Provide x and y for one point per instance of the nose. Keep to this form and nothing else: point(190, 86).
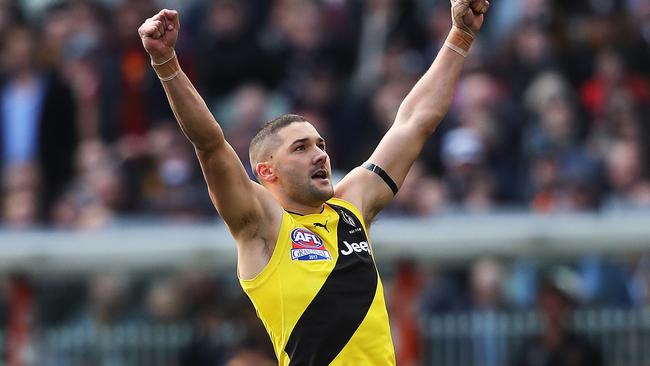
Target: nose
point(320, 157)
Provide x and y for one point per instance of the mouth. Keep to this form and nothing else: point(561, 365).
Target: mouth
point(320, 174)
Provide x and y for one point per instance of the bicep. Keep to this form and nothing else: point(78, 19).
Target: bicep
point(244, 205)
point(398, 150)
point(395, 154)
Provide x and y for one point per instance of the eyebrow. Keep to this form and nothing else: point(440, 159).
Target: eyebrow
point(306, 139)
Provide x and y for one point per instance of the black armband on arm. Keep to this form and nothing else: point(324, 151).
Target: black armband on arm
point(381, 173)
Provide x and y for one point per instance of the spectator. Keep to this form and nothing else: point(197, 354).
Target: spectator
point(131, 98)
point(171, 183)
point(541, 147)
point(37, 119)
point(402, 300)
point(469, 183)
point(564, 176)
point(557, 345)
point(228, 52)
point(106, 309)
point(487, 298)
point(165, 303)
point(90, 201)
point(21, 191)
point(625, 170)
point(611, 76)
point(421, 195)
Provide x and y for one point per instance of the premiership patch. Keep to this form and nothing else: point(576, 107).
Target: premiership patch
point(307, 246)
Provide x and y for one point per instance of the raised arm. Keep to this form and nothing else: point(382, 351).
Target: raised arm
point(417, 118)
point(247, 208)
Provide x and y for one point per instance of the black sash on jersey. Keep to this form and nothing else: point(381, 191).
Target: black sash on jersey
point(339, 307)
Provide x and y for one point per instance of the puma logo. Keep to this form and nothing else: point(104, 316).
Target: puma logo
point(324, 226)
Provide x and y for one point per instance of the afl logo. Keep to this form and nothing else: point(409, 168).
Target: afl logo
point(306, 238)
point(307, 246)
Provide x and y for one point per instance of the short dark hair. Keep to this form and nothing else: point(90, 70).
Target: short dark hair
point(548, 285)
point(260, 144)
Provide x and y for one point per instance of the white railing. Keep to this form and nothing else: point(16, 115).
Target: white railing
point(140, 246)
point(459, 339)
point(121, 345)
point(494, 338)
point(127, 345)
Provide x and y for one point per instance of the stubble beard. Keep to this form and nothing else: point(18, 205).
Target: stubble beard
point(308, 193)
point(321, 194)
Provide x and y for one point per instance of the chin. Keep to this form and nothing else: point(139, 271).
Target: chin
point(323, 194)
point(330, 194)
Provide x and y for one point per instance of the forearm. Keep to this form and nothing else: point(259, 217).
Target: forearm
point(190, 110)
point(429, 100)
point(431, 97)
point(417, 118)
point(192, 114)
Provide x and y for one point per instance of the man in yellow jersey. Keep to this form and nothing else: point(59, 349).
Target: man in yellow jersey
point(304, 256)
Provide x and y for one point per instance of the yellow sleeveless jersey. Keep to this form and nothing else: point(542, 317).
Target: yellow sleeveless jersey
point(320, 297)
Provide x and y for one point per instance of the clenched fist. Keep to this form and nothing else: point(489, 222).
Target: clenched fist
point(159, 34)
point(468, 14)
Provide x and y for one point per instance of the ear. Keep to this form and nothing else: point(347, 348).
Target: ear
point(265, 172)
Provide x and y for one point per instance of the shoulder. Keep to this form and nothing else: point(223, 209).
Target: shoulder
point(579, 341)
point(366, 189)
point(345, 204)
point(349, 206)
point(531, 349)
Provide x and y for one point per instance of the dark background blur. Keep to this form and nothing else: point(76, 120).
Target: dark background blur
point(551, 118)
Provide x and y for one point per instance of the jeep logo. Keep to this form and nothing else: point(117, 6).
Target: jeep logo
point(355, 247)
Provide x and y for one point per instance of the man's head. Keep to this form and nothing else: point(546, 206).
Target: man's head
point(288, 157)
point(19, 50)
point(554, 303)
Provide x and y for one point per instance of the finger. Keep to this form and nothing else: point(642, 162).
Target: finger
point(463, 3)
point(149, 31)
point(480, 6)
point(144, 31)
point(173, 20)
point(159, 25)
point(154, 29)
point(161, 16)
point(461, 7)
point(485, 7)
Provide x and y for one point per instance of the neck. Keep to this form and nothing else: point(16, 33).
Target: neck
point(24, 76)
point(296, 206)
point(553, 336)
point(303, 209)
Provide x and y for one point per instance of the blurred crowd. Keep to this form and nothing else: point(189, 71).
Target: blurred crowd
point(225, 329)
point(490, 287)
point(552, 113)
point(85, 321)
